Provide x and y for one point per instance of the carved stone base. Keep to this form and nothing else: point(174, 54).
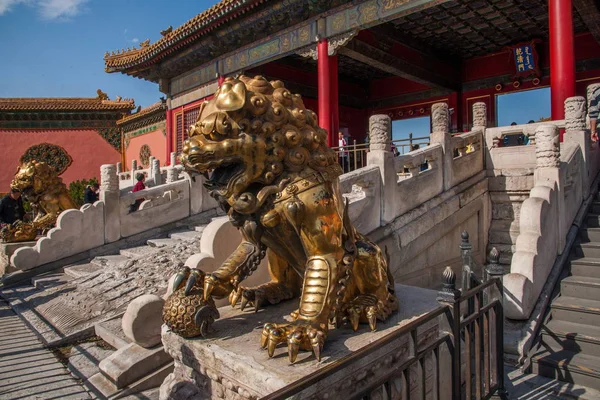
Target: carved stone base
point(232, 365)
point(7, 250)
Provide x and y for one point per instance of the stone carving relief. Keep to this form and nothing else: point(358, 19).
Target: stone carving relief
point(380, 132)
point(145, 154)
point(479, 114)
point(547, 147)
point(334, 44)
point(51, 154)
point(440, 117)
point(575, 112)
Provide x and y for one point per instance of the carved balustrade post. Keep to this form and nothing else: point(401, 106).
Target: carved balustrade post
point(479, 115)
point(173, 159)
point(109, 194)
point(380, 154)
point(450, 296)
point(172, 175)
point(590, 89)
point(548, 173)
point(440, 123)
point(133, 171)
point(156, 174)
point(119, 168)
point(576, 132)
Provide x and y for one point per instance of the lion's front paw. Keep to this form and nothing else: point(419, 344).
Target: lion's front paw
point(268, 293)
point(297, 335)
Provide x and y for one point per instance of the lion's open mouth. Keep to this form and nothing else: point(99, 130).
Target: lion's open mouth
point(220, 177)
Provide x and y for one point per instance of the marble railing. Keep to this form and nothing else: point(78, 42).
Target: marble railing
point(562, 182)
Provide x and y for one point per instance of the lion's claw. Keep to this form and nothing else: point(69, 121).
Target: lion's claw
point(297, 336)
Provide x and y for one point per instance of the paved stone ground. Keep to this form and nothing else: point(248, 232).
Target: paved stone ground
point(27, 369)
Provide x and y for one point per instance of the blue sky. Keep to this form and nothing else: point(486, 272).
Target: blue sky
point(55, 48)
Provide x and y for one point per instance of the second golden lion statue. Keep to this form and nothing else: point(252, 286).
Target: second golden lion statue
point(278, 181)
point(40, 184)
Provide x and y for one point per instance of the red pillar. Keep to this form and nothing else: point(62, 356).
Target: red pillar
point(562, 55)
point(323, 67)
point(335, 111)
point(169, 136)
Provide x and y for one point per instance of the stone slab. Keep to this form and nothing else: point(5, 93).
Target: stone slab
point(138, 252)
point(50, 280)
point(69, 312)
point(111, 332)
point(84, 359)
point(234, 359)
point(162, 242)
point(144, 389)
point(186, 236)
point(131, 363)
point(27, 369)
point(81, 270)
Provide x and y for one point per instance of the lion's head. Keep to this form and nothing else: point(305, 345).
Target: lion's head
point(253, 134)
point(34, 177)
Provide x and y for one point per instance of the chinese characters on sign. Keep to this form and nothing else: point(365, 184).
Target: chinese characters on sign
point(524, 60)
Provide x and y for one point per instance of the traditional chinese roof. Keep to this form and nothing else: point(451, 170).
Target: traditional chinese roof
point(65, 104)
point(172, 40)
point(153, 113)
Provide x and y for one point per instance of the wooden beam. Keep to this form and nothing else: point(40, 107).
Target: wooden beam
point(588, 10)
point(383, 61)
point(386, 33)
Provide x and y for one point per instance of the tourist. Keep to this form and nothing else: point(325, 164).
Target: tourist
point(138, 186)
point(11, 207)
point(91, 194)
point(342, 153)
point(593, 112)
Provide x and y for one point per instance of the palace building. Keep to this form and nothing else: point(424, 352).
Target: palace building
point(144, 135)
point(350, 60)
point(74, 135)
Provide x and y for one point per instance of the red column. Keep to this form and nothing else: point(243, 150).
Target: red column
point(335, 111)
point(562, 55)
point(169, 136)
point(323, 67)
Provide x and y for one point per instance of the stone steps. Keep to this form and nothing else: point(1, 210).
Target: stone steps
point(187, 235)
point(569, 348)
point(112, 333)
point(562, 335)
point(587, 266)
point(582, 287)
point(576, 310)
point(105, 389)
point(568, 366)
point(81, 270)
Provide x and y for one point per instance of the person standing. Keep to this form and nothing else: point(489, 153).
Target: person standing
point(343, 154)
point(11, 207)
point(593, 113)
point(91, 194)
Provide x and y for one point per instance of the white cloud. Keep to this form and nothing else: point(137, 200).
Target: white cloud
point(135, 40)
point(7, 5)
point(47, 9)
point(60, 9)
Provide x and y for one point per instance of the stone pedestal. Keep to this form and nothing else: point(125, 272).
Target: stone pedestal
point(7, 250)
point(232, 365)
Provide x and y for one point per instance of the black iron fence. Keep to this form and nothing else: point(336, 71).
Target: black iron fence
point(466, 355)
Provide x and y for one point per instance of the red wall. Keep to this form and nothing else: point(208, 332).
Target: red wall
point(86, 147)
point(157, 142)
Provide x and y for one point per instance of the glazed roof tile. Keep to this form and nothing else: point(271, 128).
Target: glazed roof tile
point(65, 104)
point(217, 15)
point(159, 106)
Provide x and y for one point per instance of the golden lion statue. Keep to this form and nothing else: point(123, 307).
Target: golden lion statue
point(274, 175)
point(48, 195)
